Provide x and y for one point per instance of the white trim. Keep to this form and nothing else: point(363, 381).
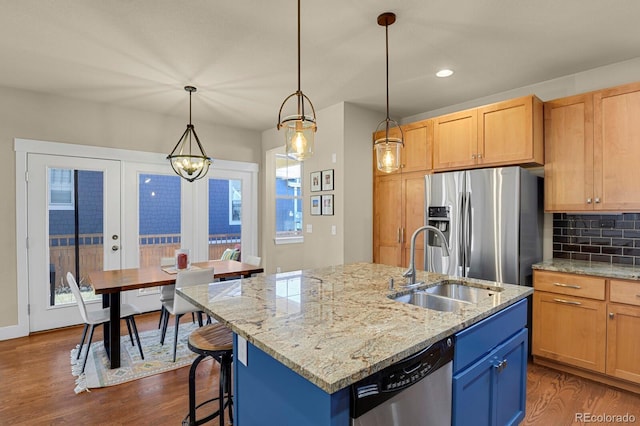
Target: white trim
point(22, 328)
point(288, 240)
point(73, 150)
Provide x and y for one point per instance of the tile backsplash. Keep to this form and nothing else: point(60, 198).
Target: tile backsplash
point(610, 238)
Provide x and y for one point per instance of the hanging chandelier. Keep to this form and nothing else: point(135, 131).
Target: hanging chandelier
point(188, 158)
point(388, 148)
point(300, 128)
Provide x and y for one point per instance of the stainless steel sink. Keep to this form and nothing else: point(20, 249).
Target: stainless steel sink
point(447, 296)
point(431, 301)
point(460, 292)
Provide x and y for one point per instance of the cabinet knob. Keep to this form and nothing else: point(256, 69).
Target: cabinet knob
point(473, 156)
point(611, 315)
point(597, 200)
point(479, 156)
point(588, 200)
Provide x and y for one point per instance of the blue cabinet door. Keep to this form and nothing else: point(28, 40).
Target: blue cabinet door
point(492, 391)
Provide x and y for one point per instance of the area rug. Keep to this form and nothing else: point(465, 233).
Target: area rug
point(157, 359)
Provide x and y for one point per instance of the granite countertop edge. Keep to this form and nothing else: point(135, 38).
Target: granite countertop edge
point(583, 267)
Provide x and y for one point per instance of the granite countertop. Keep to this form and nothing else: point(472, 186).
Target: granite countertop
point(336, 325)
point(583, 267)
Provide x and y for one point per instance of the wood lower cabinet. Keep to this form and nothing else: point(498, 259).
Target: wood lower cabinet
point(398, 211)
point(592, 142)
point(597, 335)
point(623, 330)
point(571, 330)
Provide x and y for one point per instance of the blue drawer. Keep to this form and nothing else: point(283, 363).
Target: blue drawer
point(481, 338)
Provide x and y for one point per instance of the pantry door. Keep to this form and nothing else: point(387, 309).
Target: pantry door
point(73, 225)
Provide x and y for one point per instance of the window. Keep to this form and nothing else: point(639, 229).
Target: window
point(61, 189)
point(235, 201)
point(288, 197)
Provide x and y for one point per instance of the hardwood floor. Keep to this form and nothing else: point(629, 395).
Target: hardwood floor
point(36, 388)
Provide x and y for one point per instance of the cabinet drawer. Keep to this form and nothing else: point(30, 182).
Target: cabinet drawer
point(569, 284)
point(625, 292)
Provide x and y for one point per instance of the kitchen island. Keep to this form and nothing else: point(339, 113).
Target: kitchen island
point(311, 334)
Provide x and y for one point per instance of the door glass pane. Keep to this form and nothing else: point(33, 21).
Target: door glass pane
point(75, 230)
point(225, 206)
point(159, 217)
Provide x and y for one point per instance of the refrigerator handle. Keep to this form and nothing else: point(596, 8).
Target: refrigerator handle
point(461, 230)
point(468, 234)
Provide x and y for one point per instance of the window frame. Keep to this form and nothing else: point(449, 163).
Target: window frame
point(288, 237)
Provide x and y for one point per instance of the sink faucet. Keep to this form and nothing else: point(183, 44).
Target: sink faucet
point(410, 273)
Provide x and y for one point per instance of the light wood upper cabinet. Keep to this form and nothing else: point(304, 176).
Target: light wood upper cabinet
point(592, 143)
point(568, 167)
point(510, 132)
point(504, 133)
point(617, 148)
point(455, 140)
point(416, 152)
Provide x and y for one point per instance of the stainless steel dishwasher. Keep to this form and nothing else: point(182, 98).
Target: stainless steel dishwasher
point(413, 392)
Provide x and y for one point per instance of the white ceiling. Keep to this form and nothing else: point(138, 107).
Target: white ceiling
point(241, 55)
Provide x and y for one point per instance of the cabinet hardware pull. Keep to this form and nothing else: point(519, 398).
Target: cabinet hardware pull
point(637, 295)
point(597, 200)
point(402, 235)
point(473, 156)
point(588, 200)
point(567, 285)
point(479, 156)
point(398, 235)
point(611, 315)
point(568, 302)
point(501, 365)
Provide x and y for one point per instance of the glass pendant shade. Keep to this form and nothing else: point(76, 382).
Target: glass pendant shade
point(300, 127)
point(188, 158)
point(388, 148)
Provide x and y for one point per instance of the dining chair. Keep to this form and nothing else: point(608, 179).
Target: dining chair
point(179, 306)
point(98, 317)
point(252, 260)
point(166, 291)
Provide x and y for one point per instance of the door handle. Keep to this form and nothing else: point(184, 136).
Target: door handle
point(567, 285)
point(115, 248)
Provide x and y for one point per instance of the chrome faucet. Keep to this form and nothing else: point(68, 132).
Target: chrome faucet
point(410, 273)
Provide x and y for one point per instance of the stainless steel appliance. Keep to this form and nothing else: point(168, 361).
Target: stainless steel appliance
point(492, 219)
point(415, 391)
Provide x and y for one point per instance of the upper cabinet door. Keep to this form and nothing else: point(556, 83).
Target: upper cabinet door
point(510, 132)
point(568, 169)
point(617, 148)
point(455, 140)
point(416, 154)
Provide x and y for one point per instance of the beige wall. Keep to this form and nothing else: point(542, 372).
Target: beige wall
point(31, 115)
point(344, 131)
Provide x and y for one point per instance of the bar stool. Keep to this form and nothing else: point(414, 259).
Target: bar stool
point(216, 341)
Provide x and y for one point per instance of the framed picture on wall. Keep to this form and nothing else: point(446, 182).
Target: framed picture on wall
point(327, 205)
point(316, 209)
point(316, 181)
point(327, 180)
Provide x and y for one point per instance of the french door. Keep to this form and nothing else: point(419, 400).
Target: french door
point(73, 225)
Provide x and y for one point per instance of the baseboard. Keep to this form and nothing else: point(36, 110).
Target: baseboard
point(13, 332)
point(596, 377)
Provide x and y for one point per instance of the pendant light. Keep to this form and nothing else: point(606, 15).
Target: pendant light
point(300, 128)
point(388, 148)
point(188, 158)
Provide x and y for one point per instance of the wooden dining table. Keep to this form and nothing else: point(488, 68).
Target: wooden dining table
point(111, 283)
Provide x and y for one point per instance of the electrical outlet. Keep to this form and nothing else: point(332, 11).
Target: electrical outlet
point(333, 230)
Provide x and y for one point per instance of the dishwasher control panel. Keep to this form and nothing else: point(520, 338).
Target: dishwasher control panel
point(386, 383)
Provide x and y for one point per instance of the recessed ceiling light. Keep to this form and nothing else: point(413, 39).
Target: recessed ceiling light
point(444, 73)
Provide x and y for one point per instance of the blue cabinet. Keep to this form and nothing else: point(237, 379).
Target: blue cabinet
point(490, 370)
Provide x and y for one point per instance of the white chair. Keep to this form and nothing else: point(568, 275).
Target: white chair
point(251, 260)
point(166, 291)
point(179, 306)
point(94, 318)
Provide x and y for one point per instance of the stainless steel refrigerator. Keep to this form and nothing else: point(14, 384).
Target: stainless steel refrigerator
point(492, 219)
